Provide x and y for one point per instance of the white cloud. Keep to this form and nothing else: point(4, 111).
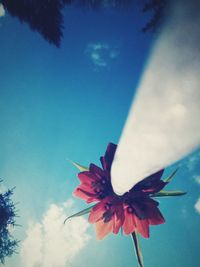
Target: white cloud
point(197, 206)
point(101, 54)
point(162, 126)
point(184, 212)
point(31, 251)
point(197, 178)
point(50, 243)
point(193, 161)
point(2, 188)
point(2, 11)
point(113, 54)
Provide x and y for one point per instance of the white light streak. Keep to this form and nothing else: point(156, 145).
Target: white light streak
point(163, 123)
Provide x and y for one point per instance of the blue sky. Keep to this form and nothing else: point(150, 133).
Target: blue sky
point(68, 103)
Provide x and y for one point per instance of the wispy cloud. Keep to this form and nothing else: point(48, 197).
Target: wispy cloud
point(101, 54)
point(2, 188)
point(50, 243)
point(2, 11)
point(197, 206)
point(184, 212)
point(193, 161)
point(197, 178)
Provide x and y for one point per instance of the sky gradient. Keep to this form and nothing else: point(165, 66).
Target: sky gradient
point(69, 103)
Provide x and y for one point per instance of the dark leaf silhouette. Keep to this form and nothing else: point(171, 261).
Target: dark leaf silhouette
point(7, 219)
point(46, 16)
point(158, 8)
point(99, 4)
point(43, 16)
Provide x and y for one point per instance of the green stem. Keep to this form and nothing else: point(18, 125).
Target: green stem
point(137, 249)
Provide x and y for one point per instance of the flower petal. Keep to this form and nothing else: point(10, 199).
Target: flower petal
point(117, 223)
point(98, 172)
point(153, 213)
point(102, 228)
point(151, 184)
point(129, 223)
point(87, 177)
point(109, 215)
point(85, 195)
point(154, 187)
point(156, 218)
point(107, 159)
point(97, 212)
point(155, 176)
point(118, 218)
point(142, 227)
point(86, 188)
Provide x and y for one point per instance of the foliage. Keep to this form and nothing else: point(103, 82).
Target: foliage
point(46, 16)
point(7, 220)
point(43, 16)
point(158, 7)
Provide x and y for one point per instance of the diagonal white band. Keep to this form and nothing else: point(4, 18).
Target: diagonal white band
point(164, 121)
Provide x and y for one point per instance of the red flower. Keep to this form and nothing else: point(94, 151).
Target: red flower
point(96, 183)
point(139, 214)
point(134, 211)
point(140, 209)
point(108, 216)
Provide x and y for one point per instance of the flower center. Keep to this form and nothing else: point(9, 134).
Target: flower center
point(103, 181)
point(130, 209)
point(107, 206)
point(107, 215)
point(102, 188)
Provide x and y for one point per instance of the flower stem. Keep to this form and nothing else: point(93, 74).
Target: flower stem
point(137, 249)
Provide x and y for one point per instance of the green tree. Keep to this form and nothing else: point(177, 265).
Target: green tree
point(8, 244)
point(46, 16)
